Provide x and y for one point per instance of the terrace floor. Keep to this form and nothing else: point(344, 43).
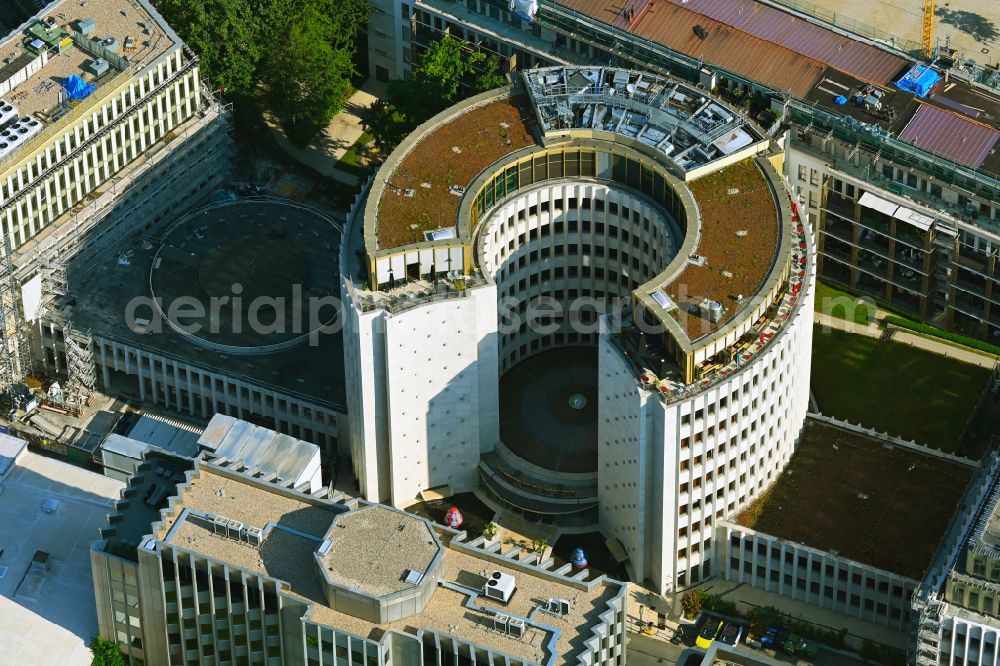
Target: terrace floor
point(883, 506)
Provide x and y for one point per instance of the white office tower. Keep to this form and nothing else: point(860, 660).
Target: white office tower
point(589, 297)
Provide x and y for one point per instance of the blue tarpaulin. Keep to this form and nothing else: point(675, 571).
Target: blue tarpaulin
point(77, 88)
point(919, 80)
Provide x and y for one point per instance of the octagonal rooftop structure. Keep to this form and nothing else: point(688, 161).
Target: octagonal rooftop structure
point(380, 564)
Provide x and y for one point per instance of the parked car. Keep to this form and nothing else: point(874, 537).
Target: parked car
point(774, 638)
point(791, 645)
point(731, 633)
point(710, 628)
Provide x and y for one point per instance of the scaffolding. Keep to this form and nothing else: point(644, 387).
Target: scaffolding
point(53, 273)
point(13, 345)
point(81, 368)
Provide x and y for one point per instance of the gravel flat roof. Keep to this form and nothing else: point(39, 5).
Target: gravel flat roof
point(252, 504)
point(374, 541)
point(121, 19)
point(373, 549)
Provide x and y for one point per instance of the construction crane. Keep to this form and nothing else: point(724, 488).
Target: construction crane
point(927, 32)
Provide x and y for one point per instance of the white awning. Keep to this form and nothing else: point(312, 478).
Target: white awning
point(869, 200)
point(919, 220)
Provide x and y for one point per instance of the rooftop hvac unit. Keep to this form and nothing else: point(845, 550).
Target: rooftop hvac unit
point(715, 311)
point(500, 586)
point(99, 66)
point(8, 113)
point(500, 622)
point(220, 525)
point(515, 627)
point(235, 528)
point(86, 26)
point(557, 607)
point(253, 535)
point(711, 310)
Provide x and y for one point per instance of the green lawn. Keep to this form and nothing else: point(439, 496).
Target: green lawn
point(893, 387)
point(351, 161)
point(836, 303)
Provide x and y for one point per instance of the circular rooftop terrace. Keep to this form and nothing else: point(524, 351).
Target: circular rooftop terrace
point(665, 139)
point(247, 277)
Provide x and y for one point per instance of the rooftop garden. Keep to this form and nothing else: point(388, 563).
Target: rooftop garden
point(740, 237)
point(417, 197)
point(886, 507)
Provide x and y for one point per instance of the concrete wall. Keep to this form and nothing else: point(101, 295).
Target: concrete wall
point(629, 429)
point(199, 391)
point(813, 576)
point(367, 431)
point(966, 641)
point(669, 471)
point(433, 381)
point(567, 241)
point(127, 123)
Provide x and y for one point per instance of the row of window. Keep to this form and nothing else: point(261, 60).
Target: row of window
point(894, 611)
point(93, 124)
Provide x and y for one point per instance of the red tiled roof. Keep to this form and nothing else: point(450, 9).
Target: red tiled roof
point(751, 40)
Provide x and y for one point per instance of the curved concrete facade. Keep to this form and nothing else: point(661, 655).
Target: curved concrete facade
point(693, 423)
point(548, 248)
point(668, 470)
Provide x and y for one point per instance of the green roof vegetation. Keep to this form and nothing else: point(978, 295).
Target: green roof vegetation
point(884, 506)
point(895, 388)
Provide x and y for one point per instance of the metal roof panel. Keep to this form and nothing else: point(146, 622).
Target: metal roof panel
point(855, 57)
point(950, 135)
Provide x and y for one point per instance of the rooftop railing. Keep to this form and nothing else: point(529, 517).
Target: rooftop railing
point(851, 131)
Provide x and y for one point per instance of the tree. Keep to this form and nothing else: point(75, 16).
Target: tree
point(490, 530)
point(762, 617)
point(490, 77)
point(226, 36)
point(310, 69)
point(386, 122)
point(539, 546)
point(106, 653)
point(314, 81)
point(714, 602)
point(433, 85)
point(692, 602)
point(243, 43)
point(444, 65)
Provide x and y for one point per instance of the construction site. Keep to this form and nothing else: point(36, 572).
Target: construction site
point(116, 157)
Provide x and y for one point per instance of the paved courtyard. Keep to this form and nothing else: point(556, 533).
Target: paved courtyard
point(548, 409)
point(49, 617)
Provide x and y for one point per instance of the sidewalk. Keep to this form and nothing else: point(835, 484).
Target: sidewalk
point(872, 330)
point(330, 146)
